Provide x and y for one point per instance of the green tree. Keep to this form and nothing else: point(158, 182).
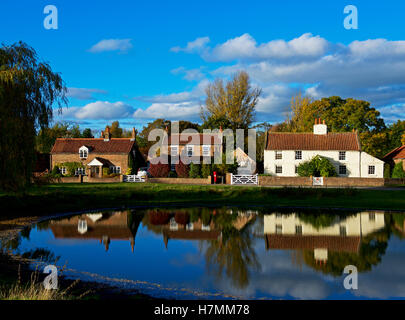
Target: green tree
point(87, 133)
point(398, 171)
point(195, 170)
point(28, 91)
point(317, 167)
point(234, 100)
point(396, 133)
point(46, 136)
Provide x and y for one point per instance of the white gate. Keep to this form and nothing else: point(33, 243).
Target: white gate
point(244, 179)
point(133, 178)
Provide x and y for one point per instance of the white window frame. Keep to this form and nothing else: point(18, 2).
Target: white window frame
point(174, 150)
point(188, 148)
point(63, 170)
point(373, 169)
point(205, 227)
point(81, 171)
point(278, 155)
point(298, 152)
point(173, 225)
point(206, 150)
point(275, 170)
point(115, 169)
point(342, 155)
point(279, 229)
point(83, 152)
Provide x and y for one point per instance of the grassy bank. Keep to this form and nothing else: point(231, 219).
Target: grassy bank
point(60, 198)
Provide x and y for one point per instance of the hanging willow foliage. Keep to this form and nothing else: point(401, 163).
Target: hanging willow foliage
point(28, 92)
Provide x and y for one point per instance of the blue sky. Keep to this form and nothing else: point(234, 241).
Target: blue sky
point(134, 61)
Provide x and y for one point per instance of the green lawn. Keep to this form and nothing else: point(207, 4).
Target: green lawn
point(60, 198)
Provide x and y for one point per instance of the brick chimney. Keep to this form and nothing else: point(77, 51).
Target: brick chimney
point(320, 128)
point(107, 134)
point(133, 136)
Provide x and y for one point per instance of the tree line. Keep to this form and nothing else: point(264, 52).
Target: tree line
point(29, 89)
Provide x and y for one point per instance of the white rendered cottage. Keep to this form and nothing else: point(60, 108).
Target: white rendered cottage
point(285, 151)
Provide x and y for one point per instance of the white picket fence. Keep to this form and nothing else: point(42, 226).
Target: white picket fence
point(244, 179)
point(133, 178)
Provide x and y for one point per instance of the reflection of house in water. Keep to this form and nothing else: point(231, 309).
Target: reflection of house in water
point(177, 226)
point(289, 232)
point(101, 226)
point(191, 231)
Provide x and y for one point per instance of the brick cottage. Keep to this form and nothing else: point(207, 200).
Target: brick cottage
point(94, 154)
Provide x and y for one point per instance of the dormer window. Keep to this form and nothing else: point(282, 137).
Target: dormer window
point(83, 152)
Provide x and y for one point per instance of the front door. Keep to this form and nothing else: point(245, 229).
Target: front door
point(94, 171)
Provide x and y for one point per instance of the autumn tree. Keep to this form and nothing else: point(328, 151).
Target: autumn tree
point(28, 91)
point(341, 115)
point(234, 100)
point(115, 130)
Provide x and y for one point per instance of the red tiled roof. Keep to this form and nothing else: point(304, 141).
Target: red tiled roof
point(344, 141)
point(196, 139)
point(332, 243)
point(398, 153)
point(97, 145)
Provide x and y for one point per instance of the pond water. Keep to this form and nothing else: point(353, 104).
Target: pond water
point(221, 253)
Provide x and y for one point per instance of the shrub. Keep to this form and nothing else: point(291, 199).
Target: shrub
point(55, 170)
point(224, 168)
point(182, 170)
point(206, 170)
point(129, 171)
point(172, 174)
point(398, 171)
point(317, 167)
point(159, 170)
point(71, 167)
point(195, 170)
point(387, 171)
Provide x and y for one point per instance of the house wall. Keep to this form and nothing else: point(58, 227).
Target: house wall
point(352, 162)
point(120, 160)
point(198, 150)
point(359, 224)
point(368, 160)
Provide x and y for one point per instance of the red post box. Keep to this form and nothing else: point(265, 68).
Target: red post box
point(215, 176)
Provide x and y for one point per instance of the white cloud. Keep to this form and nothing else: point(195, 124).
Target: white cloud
point(83, 93)
point(194, 46)
point(171, 111)
point(121, 45)
point(195, 95)
point(99, 110)
point(245, 47)
point(189, 74)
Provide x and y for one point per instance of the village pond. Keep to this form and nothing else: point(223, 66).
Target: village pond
point(225, 253)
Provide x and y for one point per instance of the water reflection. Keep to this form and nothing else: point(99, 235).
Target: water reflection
point(224, 249)
point(359, 239)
